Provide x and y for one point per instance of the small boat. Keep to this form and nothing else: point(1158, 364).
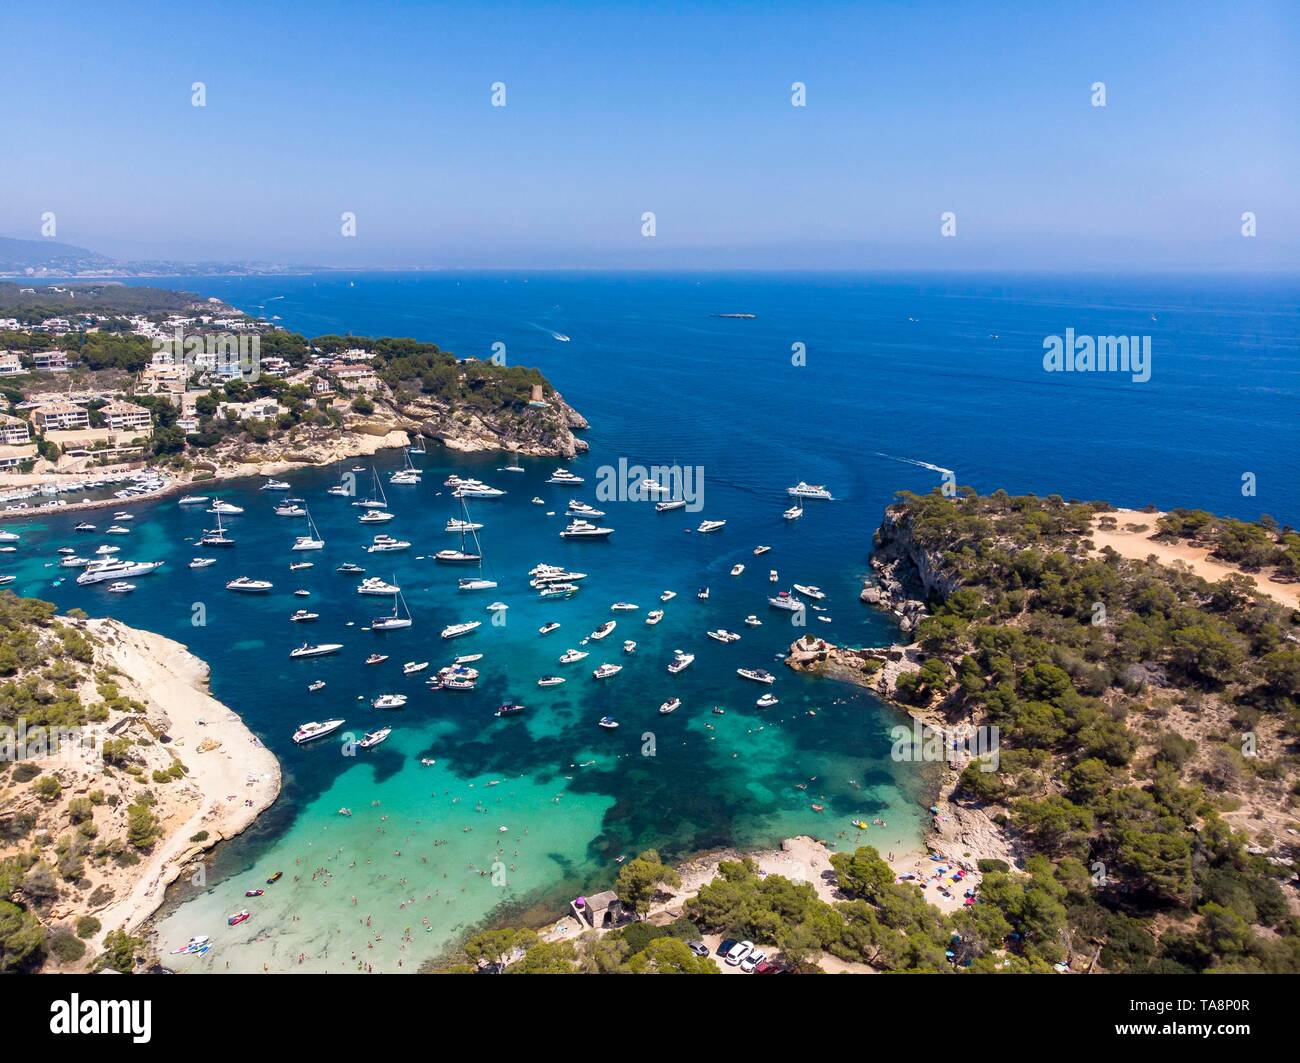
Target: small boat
point(120, 587)
point(84, 527)
point(861, 824)
point(250, 586)
point(753, 621)
point(452, 631)
point(116, 529)
point(467, 658)
point(604, 630)
point(759, 551)
point(786, 600)
point(736, 570)
point(546, 629)
point(538, 501)
point(192, 500)
point(818, 808)
point(375, 516)
point(302, 593)
point(238, 917)
point(808, 590)
point(766, 701)
point(375, 586)
point(671, 705)
point(411, 667)
point(771, 575)
point(723, 635)
point(373, 738)
point(707, 526)
point(569, 656)
point(550, 681)
point(302, 616)
point(229, 509)
point(664, 507)
point(654, 616)
point(496, 607)
point(793, 513)
point(323, 649)
point(290, 509)
point(667, 596)
point(377, 658)
point(680, 662)
point(274, 485)
point(623, 607)
point(349, 568)
point(702, 594)
point(758, 675)
point(199, 941)
point(318, 684)
point(607, 722)
point(254, 893)
point(298, 566)
point(345, 811)
point(275, 878)
point(509, 710)
point(604, 671)
point(719, 711)
point(389, 701)
point(476, 583)
point(629, 646)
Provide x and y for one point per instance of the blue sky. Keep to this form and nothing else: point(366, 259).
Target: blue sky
point(615, 109)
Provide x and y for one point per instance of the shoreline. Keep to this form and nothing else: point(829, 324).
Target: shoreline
point(237, 777)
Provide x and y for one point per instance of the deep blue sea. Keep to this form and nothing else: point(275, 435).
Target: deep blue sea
point(900, 379)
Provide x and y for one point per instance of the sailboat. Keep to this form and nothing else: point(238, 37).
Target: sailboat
point(397, 620)
point(417, 449)
point(216, 536)
point(408, 474)
point(310, 541)
point(462, 556)
point(376, 499)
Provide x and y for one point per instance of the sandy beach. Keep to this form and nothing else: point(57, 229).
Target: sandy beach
point(233, 776)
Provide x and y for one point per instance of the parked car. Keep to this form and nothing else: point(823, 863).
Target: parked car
point(767, 967)
point(698, 947)
point(725, 946)
point(738, 952)
point(751, 961)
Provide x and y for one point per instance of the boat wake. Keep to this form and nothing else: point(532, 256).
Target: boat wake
point(559, 336)
point(914, 461)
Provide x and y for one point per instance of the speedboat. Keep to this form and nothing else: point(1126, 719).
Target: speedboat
point(623, 607)
point(759, 551)
point(411, 667)
point(84, 527)
point(466, 658)
point(308, 731)
point(707, 526)
point(377, 658)
point(671, 705)
point(315, 685)
point(629, 646)
point(298, 566)
point(680, 662)
point(563, 476)
point(254, 892)
point(808, 590)
point(607, 722)
point(805, 490)
point(74, 561)
point(373, 738)
point(453, 630)
point(509, 710)
point(274, 485)
point(349, 568)
point(604, 629)
point(251, 586)
point(793, 513)
point(758, 675)
point(723, 635)
point(786, 600)
point(546, 629)
point(323, 649)
point(497, 607)
point(375, 516)
point(550, 681)
point(753, 621)
point(581, 529)
point(654, 616)
point(736, 570)
point(569, 656)
point(667, 596)
point(376, 586)
point(702, 594)
point(766, 701)
point(202, 562)
point(389, 701)
point(121, 588)
point(192, 500)
point(664, 507)
point(116, 529)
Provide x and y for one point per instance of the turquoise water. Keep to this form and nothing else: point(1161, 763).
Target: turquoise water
point(661, 381)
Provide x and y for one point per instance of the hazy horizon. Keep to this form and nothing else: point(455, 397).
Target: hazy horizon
point(685, 111)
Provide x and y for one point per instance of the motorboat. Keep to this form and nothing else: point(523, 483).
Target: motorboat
point(581, 509)
point(786, 600)
point(461, 526)
point(120, 588)
point(377, 658)
point(581, 529)
point(238, 917)
point(569, 656)
point(736, 570)
point(607, 722)
point(654, 616)
point(373, 738)
point(759, 551)
point(723, 635)
point(707, 526)
point(302, 592)
point(274, 485)
point(105, 550)
point(323, 649)
point(665, 507)
point(667, 596)
point(389, 701)
point(249, 585)
point(466, 658)
point(563, 476)
point(202, 562)
point(793, 513)
point(537, 501)
point(84, 526)
point(227, 509)
point(806, 490)
point(116, 529)
point(387, 544)
point(290, 509)
point(546, 629)
point(623, 607)
point(375, 516)
point(550, 681)
point(758, 675)
point(74, 561)
point(671, 705)
point(302, 616)
point(476, 583)
point(558, 590)
point(375, 586)
point(767, 701)
point(809, 591)
point(680, 662)
point(753, 621)
point(604, 630)
point(476, 489)
point(115, 569)
point(629, 646)
point(509, 710)
point(772, 576)
point(454, 630)
point(308, 731)
point(348, 568)
point(191, 500)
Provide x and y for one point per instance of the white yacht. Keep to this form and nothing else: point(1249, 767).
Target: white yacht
point(323, 649)
point(339, 491)
point(308, 731)
point(766, 701)
point(606, 628)
point(389, 701)
point(116, 529)
point(563, 476)
point(581, 529)
point(74, 561)
point(290, 509)
point(251, 586)
point(680, 662)
point(569, 656)
point(192, 500)
point(604, 671)
point(581, 509)
point(758, 675)
point(114, 569)
point(228, 509)
point(793, 513)
point(373, 738)
point(386, 544)
point(664, 507)
point(671, 705)
point(753, 621)
point(120, 588)
point(546, 629)
point(550, 681)
point(809, 591)
point(476, 489)
point(400, 618)
point(302, 616)
point(453, 630)
point(375, 516)
point(84, 526)
point(375, 585)
point(462, 526)
point(723, 635)
point(736, 570)
point(275, 485)
point(654, 616)
point(310, 541)
point(786, 600)
point(475, 583)
point(558, 590)
point(624, 607)
point(707, 526)
point(805, 490)
point(202, 562)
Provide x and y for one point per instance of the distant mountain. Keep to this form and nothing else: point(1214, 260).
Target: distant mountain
point(47, 259)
